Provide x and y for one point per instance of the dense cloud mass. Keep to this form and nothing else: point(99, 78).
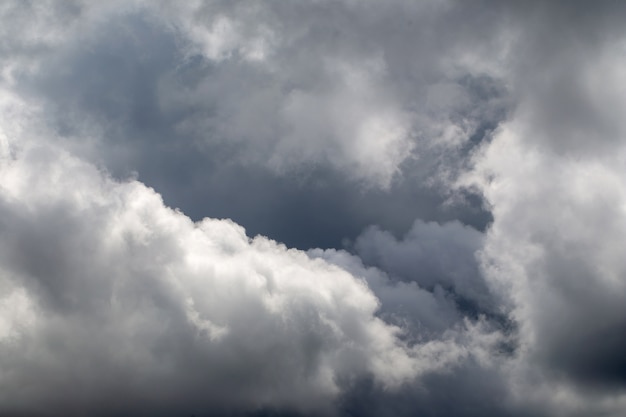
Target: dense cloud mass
point(323, 208)
point(99, 274)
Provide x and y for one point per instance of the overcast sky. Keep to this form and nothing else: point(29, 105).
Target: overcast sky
point(333, 208)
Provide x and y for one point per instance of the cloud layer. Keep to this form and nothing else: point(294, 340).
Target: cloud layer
point(447, 180)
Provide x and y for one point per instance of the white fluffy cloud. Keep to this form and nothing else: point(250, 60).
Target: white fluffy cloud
point(554, 252)
point(553, 178)
point(109, 294)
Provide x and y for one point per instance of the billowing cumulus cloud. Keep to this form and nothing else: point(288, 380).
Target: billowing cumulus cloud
point(109, 295)
point(554, 253)
point(351, 208)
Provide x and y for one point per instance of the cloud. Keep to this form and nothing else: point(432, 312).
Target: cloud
point(552, 177)
point(192, 126)
point(553, 251)
point(578, 51)
point(454, 171)
point(118, 304)
point(303, 99)
point(430, 255)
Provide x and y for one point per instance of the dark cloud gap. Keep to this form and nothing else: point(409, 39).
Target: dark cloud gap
point(597, 359)
point(469, 391)
point(320, 210)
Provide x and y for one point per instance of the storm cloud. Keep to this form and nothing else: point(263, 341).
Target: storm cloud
point(323, 208)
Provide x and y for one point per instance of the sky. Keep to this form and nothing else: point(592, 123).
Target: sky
point(333, 208)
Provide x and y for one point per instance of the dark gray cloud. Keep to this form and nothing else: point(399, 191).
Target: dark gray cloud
point(454, 169)
point(196, 128)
